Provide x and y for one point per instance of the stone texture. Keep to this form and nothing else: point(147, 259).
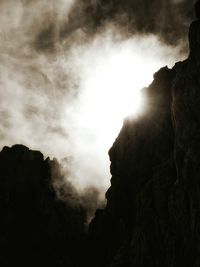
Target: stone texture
point(36, 229)
point(197, 9)
point(152, 217)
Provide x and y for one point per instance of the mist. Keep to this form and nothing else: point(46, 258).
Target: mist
point(65, 80)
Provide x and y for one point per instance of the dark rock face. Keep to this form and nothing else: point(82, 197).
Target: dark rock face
point(35, 228)
point(197, 9)
point(152, 217)
point(135, 228)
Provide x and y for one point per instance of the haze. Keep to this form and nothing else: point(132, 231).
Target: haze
point(67, 94)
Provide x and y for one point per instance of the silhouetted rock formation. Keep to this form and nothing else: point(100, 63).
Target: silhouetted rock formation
point(197, 9)
point(152, 217)
point(36, 229)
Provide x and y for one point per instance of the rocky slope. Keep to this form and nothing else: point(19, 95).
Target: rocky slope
point(152, 217)
point(36, 229)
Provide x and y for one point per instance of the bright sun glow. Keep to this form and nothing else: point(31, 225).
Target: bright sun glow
point(110, 76)
point(112, 92)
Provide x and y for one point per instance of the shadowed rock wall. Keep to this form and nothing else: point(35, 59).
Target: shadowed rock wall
point(152, 217)
point(36, 229)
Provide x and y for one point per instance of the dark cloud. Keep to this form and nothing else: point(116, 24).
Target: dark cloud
point(168, 19)
point(46, 38)
point(49, 50)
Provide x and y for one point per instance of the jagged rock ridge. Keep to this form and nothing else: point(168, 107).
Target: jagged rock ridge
point(36, 229)
point(152, 217)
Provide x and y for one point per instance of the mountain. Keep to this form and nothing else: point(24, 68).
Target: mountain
point(152, 216)
point(36, 229)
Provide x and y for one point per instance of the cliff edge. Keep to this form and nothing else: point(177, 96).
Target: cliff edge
point(152, 217)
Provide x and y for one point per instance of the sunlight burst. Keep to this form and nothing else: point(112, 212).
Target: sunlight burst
point(109, 75)
point(112, 91)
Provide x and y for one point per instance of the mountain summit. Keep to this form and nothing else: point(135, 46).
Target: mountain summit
point(152, 216)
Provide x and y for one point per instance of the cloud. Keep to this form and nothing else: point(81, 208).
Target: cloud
point(56, 57)
point(169, 19)
point(88, 199)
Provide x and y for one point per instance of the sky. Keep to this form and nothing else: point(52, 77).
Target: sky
point(71, 70)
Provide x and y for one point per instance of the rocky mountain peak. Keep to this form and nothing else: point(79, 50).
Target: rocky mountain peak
point(152, 213)
point(152, 216)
